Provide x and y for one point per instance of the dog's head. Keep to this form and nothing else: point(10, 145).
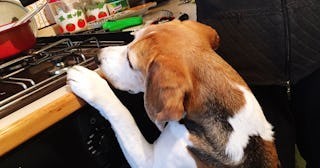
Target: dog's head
point(160, 62)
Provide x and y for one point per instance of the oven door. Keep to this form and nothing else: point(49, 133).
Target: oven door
point(83, 139)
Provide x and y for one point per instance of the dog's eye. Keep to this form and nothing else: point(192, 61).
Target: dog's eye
point(130, 65)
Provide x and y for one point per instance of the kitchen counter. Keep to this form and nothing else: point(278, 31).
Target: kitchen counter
point(30, 120)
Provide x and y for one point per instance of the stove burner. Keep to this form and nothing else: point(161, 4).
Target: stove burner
point(19, 81)
point(28, 78)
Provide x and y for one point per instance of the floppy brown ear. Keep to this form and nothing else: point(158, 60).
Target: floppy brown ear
point(166, 88)
point(205, 31)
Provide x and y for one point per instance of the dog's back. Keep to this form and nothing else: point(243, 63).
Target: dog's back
point(226, 123)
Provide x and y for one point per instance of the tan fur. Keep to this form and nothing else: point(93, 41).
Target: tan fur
point(272, 153)
point(171, 67)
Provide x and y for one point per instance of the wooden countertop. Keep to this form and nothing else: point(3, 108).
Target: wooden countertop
point(28, 121)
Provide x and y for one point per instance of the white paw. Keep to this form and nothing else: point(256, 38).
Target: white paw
point(88, 85)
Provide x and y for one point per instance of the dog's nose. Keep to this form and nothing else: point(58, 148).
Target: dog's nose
point(96, 57)
point(97, 60)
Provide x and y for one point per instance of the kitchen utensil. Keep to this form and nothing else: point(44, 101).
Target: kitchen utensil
point(29, 15)
point(116, 25)
point(131, 12)
point(14, 40)
point(160, 16)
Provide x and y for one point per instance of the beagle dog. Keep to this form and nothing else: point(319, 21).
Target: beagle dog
point(207, 114)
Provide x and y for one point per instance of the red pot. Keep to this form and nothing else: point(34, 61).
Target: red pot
point(16, 39)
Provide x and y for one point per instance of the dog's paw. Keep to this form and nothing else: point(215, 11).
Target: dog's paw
point(88, 85)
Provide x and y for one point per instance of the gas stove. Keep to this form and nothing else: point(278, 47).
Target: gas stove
point(41, 70)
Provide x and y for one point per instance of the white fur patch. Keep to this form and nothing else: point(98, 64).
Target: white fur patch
point(115, 65)
point(249, 121)
point(170, 148)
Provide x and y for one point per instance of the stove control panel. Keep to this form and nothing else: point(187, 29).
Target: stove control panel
point(99, 140)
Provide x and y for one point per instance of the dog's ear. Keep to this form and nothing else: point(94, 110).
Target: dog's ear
point(166, 88)
point(205, 31)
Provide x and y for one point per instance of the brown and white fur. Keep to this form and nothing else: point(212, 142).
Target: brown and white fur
point(206, 112)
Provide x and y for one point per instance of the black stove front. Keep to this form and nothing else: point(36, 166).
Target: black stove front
point(35, 73)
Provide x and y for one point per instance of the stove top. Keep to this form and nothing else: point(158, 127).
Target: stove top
point(39, 71)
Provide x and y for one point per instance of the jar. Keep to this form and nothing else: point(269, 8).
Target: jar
point(69, 15)
point(96, 10)
point(115, 6)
